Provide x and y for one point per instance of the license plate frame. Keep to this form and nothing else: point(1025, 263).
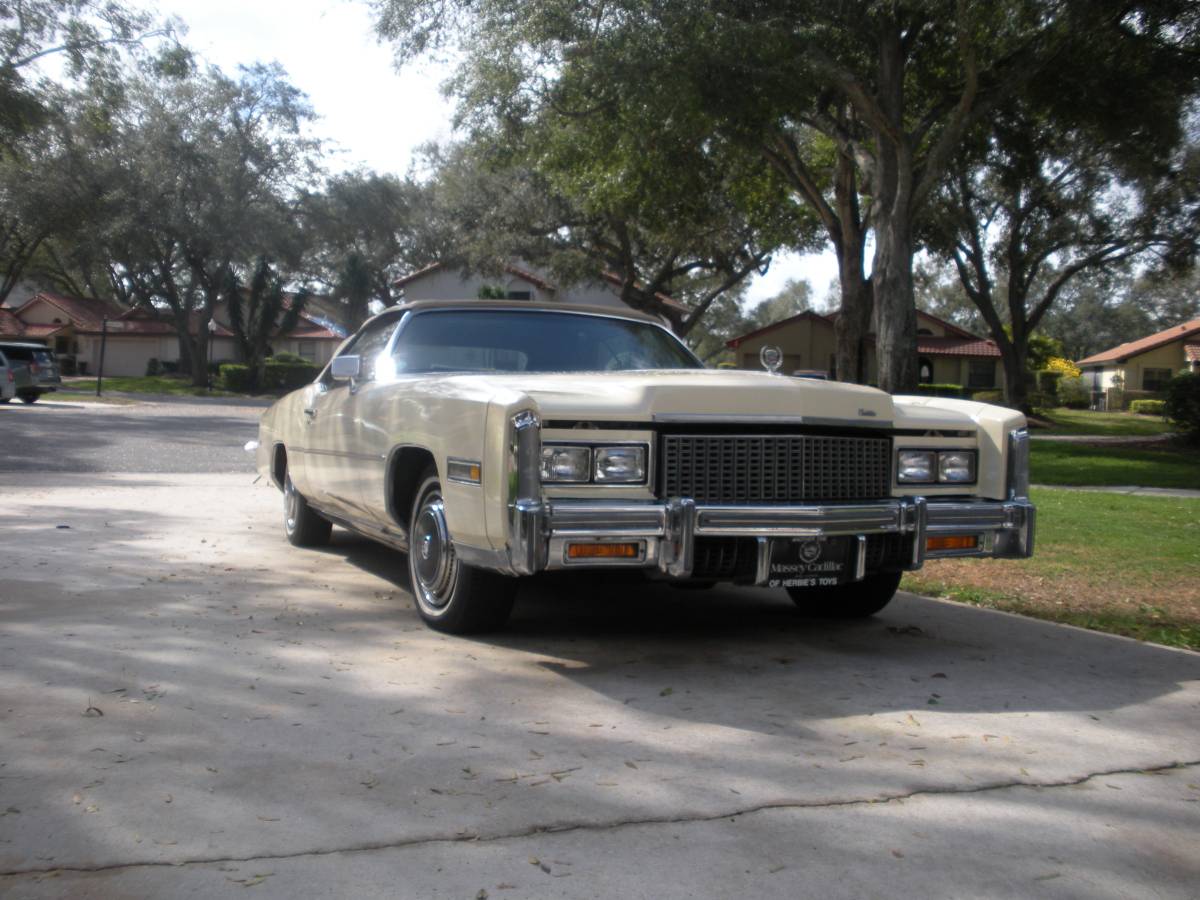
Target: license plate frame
point(811, 562)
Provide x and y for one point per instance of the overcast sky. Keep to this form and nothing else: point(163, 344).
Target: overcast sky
point(374, 116)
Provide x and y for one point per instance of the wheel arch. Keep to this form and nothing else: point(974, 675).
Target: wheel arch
point(405, 465)
point(278, 464)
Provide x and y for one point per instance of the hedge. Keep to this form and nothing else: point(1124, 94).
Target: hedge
point(1148, 407)
point(234, 377)
point(286, 375)
point(940, 390)
point(996, 397)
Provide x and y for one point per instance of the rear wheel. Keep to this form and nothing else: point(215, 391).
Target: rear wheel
point(28, 396)
point(451, 596)
point(5, 399)
point(303, 526)
point(848, 601)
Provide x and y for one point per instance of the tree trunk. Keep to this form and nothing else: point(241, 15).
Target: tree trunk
point(1016, 389)
point(853, 322)
point(891, 217)
point(852, 325)
point(200, 343)
point(895, 308)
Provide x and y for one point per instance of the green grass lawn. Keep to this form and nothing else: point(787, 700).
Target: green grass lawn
point(1084, 421)
point(1109, 562)
point(147, 384)
point(1167, 466)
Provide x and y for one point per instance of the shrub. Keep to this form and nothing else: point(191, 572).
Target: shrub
point(1063, 367)
point(1041, 400)
point(286, 375)
point(1072, 393)
point(996, 397)
point(234, 377)
point(940, 390)
point(1047, 382)
point(1148, 407)
point(1182, 405)
point(169, 366)
point(1128, 398)
point(286, 358)
point(153, 367)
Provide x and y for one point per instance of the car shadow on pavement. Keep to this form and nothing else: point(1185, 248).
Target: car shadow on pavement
point(605, 630)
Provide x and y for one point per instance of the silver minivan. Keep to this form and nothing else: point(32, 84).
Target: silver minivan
point(27, 371)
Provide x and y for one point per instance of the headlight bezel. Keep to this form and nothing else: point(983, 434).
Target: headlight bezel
point(936, 467)
point(594, 454)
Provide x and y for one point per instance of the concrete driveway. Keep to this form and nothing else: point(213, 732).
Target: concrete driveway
point(191, 707)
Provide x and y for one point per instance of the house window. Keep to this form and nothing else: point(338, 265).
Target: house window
point(924, 371)
point(308, 350)
point(520, 295)
point(62, 345)
point(1155, 379)
point(981, 373)
point(925, 332)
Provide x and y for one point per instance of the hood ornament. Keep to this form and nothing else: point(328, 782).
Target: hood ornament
point(771, 358)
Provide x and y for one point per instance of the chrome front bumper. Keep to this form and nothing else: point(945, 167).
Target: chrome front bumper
point(540, 530)
point(666, 532)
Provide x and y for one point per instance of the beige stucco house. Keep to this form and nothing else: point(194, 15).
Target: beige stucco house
point(74, 326)
point(441, 282)
point(1144, 365)
point(946, 353)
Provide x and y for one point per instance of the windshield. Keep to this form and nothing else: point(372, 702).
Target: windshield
point(520, 341)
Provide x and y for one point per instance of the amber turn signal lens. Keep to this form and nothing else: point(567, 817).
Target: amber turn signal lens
point(603, 551)
point(952, 542)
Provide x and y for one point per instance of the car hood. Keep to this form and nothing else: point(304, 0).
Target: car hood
point(701, 393)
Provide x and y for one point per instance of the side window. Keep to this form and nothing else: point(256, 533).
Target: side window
point(369, 343)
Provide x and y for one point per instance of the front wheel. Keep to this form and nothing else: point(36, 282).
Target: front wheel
point(451, 596)
point(301, 524)
point(29, 396)
point(848, 601)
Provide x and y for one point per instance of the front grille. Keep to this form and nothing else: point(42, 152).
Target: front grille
point(775, 469)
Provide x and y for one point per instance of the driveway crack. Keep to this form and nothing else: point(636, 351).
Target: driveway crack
point(568, 827)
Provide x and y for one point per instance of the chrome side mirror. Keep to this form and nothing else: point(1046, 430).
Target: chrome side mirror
point(344, 367)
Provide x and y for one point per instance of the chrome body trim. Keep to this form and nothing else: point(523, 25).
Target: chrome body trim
point(669, 530)
point(810, 421)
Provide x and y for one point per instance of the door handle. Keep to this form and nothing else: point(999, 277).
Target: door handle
point(310, 412)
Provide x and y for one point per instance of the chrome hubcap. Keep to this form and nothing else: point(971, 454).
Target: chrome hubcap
point(291, 504)
point(433, 562)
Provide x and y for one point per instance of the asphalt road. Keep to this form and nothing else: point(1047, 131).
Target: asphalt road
point(189, 706)
point(73, 436)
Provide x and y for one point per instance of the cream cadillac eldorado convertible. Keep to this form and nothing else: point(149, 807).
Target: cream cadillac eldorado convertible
point(490, 440)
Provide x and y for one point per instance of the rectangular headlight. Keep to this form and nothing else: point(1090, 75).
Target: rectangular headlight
point(567, 464)
point(915, 466)
point(623, 465)
point(956, 466)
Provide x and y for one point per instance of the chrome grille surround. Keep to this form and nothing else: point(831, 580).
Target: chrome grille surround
point(775, 468)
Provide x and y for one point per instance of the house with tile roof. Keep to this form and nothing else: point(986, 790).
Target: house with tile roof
point(74, 326)
point(1146, 365)
point(946, 353)
point(442, 282)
